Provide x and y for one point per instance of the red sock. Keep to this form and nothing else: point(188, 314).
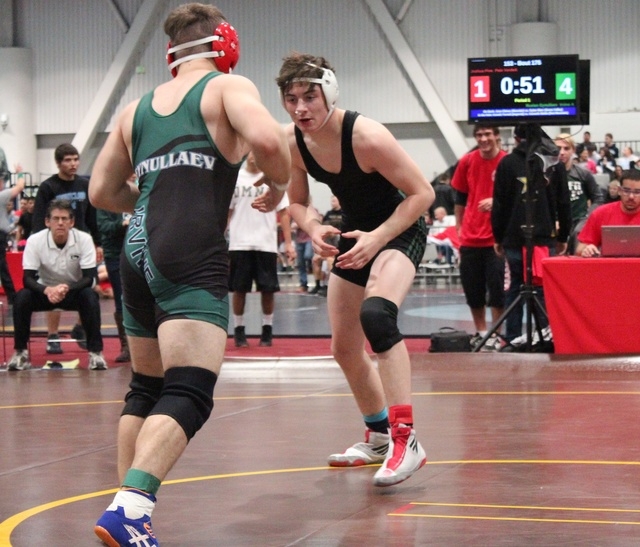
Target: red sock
point(401, 414)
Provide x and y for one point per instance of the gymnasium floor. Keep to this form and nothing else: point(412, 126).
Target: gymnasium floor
point(535, 450)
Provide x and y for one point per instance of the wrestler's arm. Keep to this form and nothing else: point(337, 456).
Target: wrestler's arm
point(109, 188)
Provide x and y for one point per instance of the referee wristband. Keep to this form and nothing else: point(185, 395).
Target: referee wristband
point(280, 187)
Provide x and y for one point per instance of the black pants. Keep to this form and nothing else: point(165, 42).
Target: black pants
point(5, 276)
point(85, 301)
point(113, 270)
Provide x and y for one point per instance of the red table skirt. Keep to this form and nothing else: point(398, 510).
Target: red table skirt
point(593, 304)
point(14, 261)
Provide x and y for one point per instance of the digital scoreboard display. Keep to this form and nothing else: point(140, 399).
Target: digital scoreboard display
point(511, 90)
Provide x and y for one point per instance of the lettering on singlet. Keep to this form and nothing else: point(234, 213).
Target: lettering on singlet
point(137, 242)
point(175, 159)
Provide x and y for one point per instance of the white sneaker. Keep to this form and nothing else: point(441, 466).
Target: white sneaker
point(372, 450)
point(19, 361)
point(547, 336)
point(494, 343)
point(96, 361)
point(404, 458)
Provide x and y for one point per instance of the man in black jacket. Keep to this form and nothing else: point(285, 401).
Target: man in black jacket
point(551, 215)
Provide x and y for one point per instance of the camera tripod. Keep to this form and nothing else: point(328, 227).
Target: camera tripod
point(529, 293)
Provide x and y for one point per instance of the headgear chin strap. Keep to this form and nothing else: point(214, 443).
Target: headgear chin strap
point(329, 85)
point(225, 47)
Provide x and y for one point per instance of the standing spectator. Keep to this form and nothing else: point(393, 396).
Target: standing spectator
point(5, 174)
point(445, 195)
point(584, 191)
point(25, 223)
point(481, 270)
point(187, 138)
point(549, 203)
point(383, 194)
point(59, 266)
point(622, 213)
point(113, 227)
point(608, 142)
point(7, 196)
point(253, 251)
point(67, 185)
point(321, 266)
point(586, 144)
point(304, 255)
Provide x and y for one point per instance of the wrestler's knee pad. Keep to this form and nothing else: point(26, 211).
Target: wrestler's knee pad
point(143, 395)
point(187, 396)
point(379, 319)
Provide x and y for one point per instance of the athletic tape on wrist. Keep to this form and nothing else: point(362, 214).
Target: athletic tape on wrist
point(280, 187)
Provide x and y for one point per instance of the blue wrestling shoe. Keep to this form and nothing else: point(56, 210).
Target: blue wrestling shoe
point(116, 529)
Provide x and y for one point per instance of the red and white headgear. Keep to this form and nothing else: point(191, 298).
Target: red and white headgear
point(225, 48)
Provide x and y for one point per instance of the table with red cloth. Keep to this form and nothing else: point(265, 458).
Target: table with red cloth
point(14, 261)
point(593, 304)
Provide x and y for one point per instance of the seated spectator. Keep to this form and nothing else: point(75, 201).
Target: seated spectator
point(619, 213)
point(607, 163)
point(628, 158)
point(59, 266)
point(613, 192)
point(617, 173)
point(440, 223)
point(585, 160)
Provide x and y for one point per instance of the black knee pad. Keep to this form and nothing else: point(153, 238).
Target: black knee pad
point(187, 396)
point(379, 319)
point(144, 394)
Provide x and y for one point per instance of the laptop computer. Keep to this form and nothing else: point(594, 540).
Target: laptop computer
point(620, 241)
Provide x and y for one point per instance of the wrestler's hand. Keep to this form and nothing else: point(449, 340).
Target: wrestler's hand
point(318, 240)
point(366, 247)
point(269, 200)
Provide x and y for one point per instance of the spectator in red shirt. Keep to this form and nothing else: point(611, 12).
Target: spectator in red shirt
point(481, 270)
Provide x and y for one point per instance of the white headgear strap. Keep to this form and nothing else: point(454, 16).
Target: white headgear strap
point(201, 55)
point(329, 85)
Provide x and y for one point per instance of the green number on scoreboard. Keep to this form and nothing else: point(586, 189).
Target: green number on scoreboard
point(565, 86)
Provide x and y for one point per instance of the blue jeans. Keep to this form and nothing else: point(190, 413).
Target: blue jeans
point(516, 270)
point(305, 254)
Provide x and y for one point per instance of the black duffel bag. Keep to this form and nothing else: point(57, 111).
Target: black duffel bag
point(448, 339)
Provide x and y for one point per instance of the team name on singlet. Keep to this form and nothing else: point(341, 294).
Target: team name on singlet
point(137, 242)
point(175, 159)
